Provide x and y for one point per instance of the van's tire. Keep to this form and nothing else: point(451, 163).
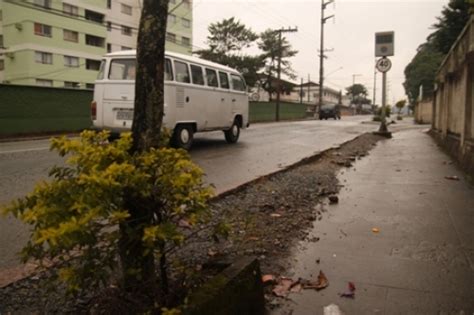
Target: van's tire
point(232, 134)
point(182, 137)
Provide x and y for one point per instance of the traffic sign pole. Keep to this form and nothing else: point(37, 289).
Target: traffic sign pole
point(384, 65)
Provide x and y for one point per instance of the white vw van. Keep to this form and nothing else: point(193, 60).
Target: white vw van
point(199, 96)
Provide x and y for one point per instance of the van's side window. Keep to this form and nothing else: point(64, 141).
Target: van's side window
point(182, 72)
point(224, 79)
point(168, 70)
point(196, 74)
point(238, 83)
point(211, 76)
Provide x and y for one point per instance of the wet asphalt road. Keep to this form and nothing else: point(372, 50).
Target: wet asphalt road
point(262, 149)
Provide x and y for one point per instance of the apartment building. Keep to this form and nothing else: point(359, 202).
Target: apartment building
point(59, 43)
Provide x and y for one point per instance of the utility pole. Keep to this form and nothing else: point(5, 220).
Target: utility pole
point(375, 86)
point(352, 92)
point(280, 31)
point(301, 91)
point(324, 4)
point(309, 95)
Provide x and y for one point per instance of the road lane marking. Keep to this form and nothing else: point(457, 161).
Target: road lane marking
point(24, 150)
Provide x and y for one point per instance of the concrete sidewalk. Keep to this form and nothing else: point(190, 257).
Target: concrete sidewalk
point(422, 259)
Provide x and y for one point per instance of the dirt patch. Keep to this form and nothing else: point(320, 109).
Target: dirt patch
point(267, 217)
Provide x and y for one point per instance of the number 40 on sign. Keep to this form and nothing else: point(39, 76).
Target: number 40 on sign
point(383, 64)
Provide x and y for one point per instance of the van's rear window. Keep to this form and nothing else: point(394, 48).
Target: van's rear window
point(122, 69)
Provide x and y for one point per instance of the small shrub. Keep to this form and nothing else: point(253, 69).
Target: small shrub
point(399, 117)
point(75, 216)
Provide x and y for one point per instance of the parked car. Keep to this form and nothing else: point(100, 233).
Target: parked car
point(329, 111)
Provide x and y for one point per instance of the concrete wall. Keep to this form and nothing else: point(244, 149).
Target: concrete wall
point(424, 112)
point(453, 112)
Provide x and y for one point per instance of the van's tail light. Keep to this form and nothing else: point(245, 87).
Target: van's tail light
point(94, 110)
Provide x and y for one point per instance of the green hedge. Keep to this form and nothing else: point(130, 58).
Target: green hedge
point(265, 111)
point(33, 109)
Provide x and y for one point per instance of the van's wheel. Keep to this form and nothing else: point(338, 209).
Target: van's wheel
point(232, 135)
point(183, 137)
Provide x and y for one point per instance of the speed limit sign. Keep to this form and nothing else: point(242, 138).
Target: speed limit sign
point(383, 64)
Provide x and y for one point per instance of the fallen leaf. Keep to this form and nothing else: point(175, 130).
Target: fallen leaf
point(268, 279)
point(375, 230)
point(296, 287)
point(452, 177)
point(252, 238)
point(350, 292)
point(275, 215)
point(211, 253)
point(321, 283)
point(184, 224)
point(282, 289)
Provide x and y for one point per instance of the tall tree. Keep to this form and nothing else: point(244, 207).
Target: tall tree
point(450, 24)
point(226, 40)
point(272, 49)
point(400, 104)
point(138, 263)
point(421, 71)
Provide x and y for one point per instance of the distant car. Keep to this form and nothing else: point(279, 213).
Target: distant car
point(329, 111)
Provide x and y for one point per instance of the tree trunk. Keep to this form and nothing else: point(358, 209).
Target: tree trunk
point(138, 265)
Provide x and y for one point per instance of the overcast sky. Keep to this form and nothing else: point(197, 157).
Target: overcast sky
point(351, 34)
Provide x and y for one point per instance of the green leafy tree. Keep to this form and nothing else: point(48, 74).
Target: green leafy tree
point(400, 105)
point(226, 40)
point(421, 71)
point(358, 94)
point(450, 24)
point(270, 46)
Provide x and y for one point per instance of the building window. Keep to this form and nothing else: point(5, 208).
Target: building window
point(171, 37)
point(126, 30)
point(94, 16)
point(43, 82)
point(44, 57)
point(109, 26)
point(90, 86)
point(125, 48)
point(43, 30)
point(72, 85)
point(2, 65)
point(109, 4)
point(1, 15)
point(186, 23)
point(70, 61)
point(92, 40)
point(43, 3)
point(92, 64)
point(1, 40)
point(71, 36)
point(126, 9)
point(187, 4)
point(171, 18)
point(71, 10)
point(109, 48)
point(186, 41)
